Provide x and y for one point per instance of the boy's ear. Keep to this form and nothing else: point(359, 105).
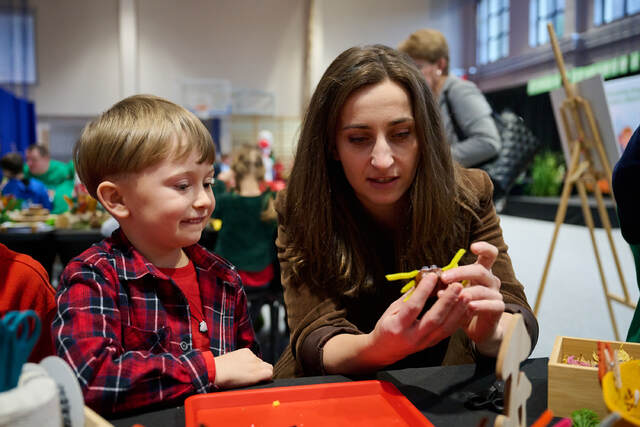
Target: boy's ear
point(110, 195)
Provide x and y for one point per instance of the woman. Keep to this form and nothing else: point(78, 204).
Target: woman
point(466, 115)
point(373, 191)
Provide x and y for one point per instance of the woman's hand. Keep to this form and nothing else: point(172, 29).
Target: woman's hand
point(399, 332)
point(485, 303)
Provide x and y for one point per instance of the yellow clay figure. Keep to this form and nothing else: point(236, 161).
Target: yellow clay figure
point(410, 286)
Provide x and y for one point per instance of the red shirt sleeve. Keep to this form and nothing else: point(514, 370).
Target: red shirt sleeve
point(210, 361)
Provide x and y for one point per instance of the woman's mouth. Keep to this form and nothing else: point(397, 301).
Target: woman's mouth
point(383, 180)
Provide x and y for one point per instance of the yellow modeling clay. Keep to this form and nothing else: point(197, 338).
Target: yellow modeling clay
point(410, 286)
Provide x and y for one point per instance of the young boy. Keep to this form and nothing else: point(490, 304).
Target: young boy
point(148, 315)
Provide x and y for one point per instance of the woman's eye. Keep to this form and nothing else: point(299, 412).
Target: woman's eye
point(357, 139)
point(402, 134)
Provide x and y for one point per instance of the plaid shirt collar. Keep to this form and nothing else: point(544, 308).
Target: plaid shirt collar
point(130, 264)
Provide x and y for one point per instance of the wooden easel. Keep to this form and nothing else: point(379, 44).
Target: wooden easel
point(580, 173)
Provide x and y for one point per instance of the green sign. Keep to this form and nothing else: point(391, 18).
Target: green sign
point(608, 68)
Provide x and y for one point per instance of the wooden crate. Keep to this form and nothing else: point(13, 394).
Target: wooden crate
point(572, 387)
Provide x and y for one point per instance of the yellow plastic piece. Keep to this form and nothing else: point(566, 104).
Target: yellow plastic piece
point(402, 276)
point(407, 287)
point(622, 400)
point(406, 298)
point(410, 287)
point(456, 259)
point(216, 224)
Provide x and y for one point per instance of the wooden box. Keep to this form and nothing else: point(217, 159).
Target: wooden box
point(572, 387)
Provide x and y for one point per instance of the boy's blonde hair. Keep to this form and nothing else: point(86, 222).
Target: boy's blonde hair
point(138, 132)
point(427, 44)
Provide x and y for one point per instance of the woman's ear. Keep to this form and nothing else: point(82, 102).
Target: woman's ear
point(110, 195)
point(441, 64)
point(334, 153)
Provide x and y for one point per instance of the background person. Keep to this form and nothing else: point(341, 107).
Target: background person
point(466, 114)
point(247, 236)
point(24, 285)
point(26, 189)
point(373, 190)
point(57, 176)
point(625, 181)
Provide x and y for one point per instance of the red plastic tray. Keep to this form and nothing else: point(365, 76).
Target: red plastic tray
point(359, 403)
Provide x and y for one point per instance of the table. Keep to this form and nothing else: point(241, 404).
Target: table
point(66, 243)
point(439, 393)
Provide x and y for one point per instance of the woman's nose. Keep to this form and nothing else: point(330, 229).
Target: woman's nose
point(381, 155)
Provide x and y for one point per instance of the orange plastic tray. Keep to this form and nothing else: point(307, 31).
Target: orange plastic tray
point(359, 403)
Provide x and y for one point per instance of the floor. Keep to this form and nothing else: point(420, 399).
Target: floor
point(573, 302)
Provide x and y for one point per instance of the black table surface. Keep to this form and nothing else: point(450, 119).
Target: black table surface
point(440, 393)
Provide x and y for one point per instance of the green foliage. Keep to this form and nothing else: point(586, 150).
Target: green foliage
point(547, 173)
point(584, 418)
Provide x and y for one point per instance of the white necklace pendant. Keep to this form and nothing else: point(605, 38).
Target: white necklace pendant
point(203, 327)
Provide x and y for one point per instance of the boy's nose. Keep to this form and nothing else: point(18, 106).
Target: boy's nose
point(204, 198)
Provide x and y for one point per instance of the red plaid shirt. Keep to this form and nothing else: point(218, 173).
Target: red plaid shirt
point(124, 326)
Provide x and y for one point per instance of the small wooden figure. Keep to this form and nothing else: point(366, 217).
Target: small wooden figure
point(515, 348)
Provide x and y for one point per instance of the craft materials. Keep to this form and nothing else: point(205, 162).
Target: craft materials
point(585, 418)
point(544, 419)
point(416, 275)
point(19, 331)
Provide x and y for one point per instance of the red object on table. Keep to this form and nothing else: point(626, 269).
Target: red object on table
point(358, 403)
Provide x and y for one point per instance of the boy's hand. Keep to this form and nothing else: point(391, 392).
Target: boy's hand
point(241, 368)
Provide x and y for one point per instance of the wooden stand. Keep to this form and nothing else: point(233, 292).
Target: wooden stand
point(581, 172)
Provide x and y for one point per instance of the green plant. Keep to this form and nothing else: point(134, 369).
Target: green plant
point(547, 173)
point(585, 418)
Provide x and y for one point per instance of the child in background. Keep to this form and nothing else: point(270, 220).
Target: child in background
point(29, 190)
point(147, 315)
point(247, 236)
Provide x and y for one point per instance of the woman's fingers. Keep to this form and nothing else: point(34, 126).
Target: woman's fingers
point(410, 306)
point(476, 273)
point(486, 252)
point(487, 306)
point(443, 317)
point(474, 293)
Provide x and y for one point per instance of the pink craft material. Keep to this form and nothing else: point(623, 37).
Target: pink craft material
point(565, 422)
point(571, 360)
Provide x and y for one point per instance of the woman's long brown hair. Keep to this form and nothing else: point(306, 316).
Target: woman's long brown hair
point(323, 218)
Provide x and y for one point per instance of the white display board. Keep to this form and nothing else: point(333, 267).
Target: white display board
point(207, 98)
point(623, 97)
point(592, 90)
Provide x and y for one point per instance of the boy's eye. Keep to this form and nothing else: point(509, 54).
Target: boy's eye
point(182, 186)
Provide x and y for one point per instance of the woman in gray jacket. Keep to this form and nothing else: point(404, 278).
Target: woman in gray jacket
point(466, 114)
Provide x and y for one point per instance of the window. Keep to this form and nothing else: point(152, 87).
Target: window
point(17, 50)
point(541, 12)
point(605, 11)
point(493, 30)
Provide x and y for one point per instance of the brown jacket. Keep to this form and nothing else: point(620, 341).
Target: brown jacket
point(314, 319)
